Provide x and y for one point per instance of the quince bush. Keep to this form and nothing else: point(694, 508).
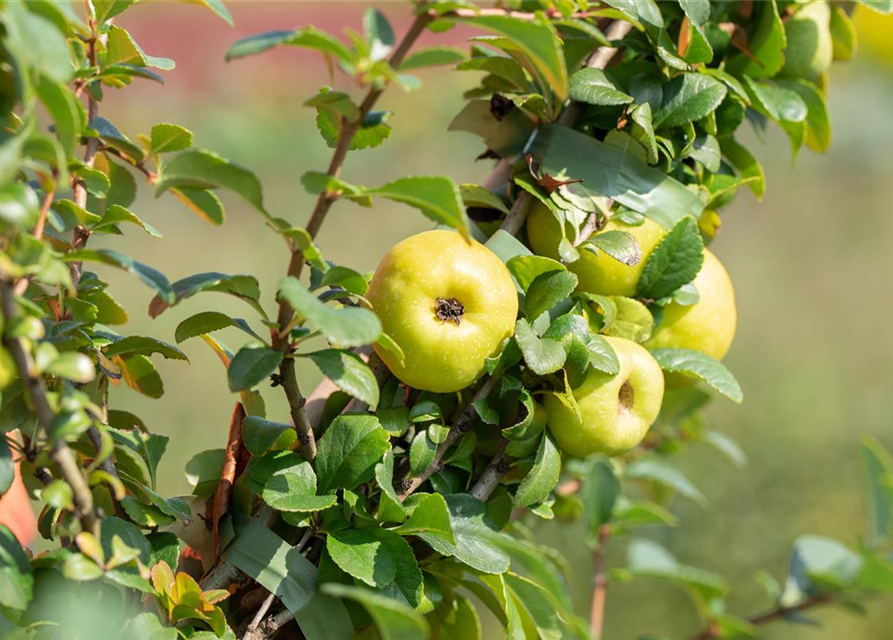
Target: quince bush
point(545, 353)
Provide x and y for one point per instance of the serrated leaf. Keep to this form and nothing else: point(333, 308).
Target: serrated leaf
point(349, 450)
point(542, 355)
point(393, 619)
point(438, 198)
point(702, 367)
point(345, 327)
point(201, 169)
point(689, 97)
point(294, 490)
point(167, 138)
point(431, 515)
point(542, 477)
point(547, 290)
point(349, 372)
point(251, 366)
point(674, 262)
point(593, 86)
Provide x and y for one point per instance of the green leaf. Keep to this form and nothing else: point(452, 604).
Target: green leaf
point(438, 198)
point(67, 113)
point(106, 9)
point(72, 366)
point(547, 290)
point(631, 320)
point(345, 278)
point(542, 355)
point(169, 137)
point(818, 118)
point(16, 581)
point(203, 472)
point(147, 626)
point(542, 477)
point(746, 165)
point(766, 45)
point(121, 48)
point(379, 34)
point(116, 214)
point(421, 453)
point(19, 206)
point(649, 559)
point(203, 202)
point(639, 10)
point(477, 196)
point(242, 287)
point(217, 7)
point(260, 435)
point(728, 447)
point(345, 327)
point(109, 134)
point(349, 372)
point(674, 262)
point(148, 275)
point(689, 97)
point(609, 171)
point(267, 558)
point(820, 564)
point(200, 169)
point(394, 620)
point(390, 509)
point(139, 373)
point(698, 11)
point(372, 132)
point(7, 467)
point(308, 37)
point(527, 268)
point(666, 475)
point(538, 43)
point(251, 366)
point(877, 478)
point(599, 493)
point(478, 542)
point(349, 450)
point(777, 101)
point(144, 346)
point(593, 86)
point(430, 514)
point(363, 555)
point(702, 367)
point(432, 56)
point(37, 43)
point(620, 245)
point(208, 322)
point(294, 489)
point(843, 32)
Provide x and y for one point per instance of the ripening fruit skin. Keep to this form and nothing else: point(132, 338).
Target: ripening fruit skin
point(708, 325)
point(600, 273)
point(448, 303)
point(810, 48)
point(616, 411)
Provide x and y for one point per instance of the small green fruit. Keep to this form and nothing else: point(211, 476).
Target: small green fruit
point(449, 303)
point(615, 411)
point(810, 48)
point(600, 273)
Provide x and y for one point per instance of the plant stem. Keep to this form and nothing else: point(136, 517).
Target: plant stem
point(599, 583)
point(491, 476)
point(317, 217)
point(61, 454)
point(461, 425)
point(773, 615)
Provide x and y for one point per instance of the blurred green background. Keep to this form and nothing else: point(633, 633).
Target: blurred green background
point(811, 266)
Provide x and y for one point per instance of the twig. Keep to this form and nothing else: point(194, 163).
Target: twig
point(599, 583)
point(773, 615)
point(461, 425)
point(491, 476)
point(61, 454)
point(317, 217)
point(252, 631)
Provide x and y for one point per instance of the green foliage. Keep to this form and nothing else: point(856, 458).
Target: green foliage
point(383, 513)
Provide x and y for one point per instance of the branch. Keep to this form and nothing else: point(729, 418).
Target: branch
point(296, 264)
point(773, 615)
point(461, 425)
point(61, 454)
point(599, 583)
point(491, 476)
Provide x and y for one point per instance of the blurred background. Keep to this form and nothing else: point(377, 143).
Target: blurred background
point(811, 266)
